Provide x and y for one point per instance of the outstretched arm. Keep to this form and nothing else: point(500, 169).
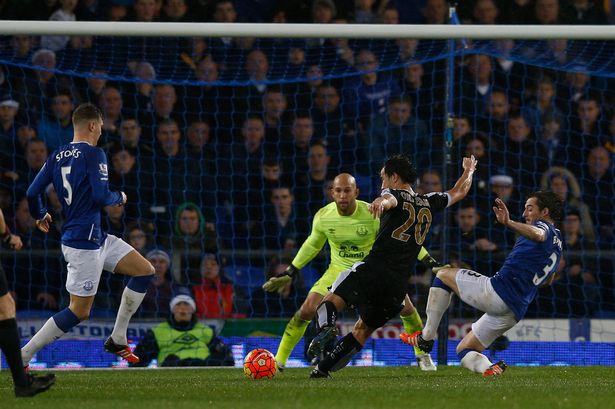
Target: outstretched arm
point(381, 204)
point(464, 183)
point(526, 230)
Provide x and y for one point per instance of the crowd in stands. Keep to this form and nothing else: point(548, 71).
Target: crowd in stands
point(225, 159)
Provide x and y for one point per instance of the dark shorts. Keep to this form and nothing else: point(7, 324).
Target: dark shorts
point(377, 293)
point(4, 286)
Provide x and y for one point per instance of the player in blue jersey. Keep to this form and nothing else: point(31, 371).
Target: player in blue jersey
point(79, 175)
point(504, 297)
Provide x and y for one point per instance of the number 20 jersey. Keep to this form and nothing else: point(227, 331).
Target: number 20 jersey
point(79, 175)
point(404, 228)
point(529, 264)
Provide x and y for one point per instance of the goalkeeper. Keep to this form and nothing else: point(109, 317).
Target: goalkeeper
point(351, 230)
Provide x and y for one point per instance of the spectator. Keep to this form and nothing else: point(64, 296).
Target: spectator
point(367, 95)
point(35, 91)
point(523, 155)
point(502, 187)
point(550, 12)
point(125, 176)
point(141, 92)
point(57, 129)
point(335, 129)
point(485, 12)
point(160, 290)
point(192, 237)
point(537, 110)
point(495, 115)
point(587, 12)
point(517, 12)
point(474, 91)
point(176, 11)
point(138, 235)
point(435, 12)
point(275, 115)
point(471, 240)
point(214, 292)
point(598, 192)
point(95, 83)
point(398, 131)
point(578, 290)
point(323, 11)
point(283, 303)
point(309, 186)
point(585, 133)
point(169, 165)
point(199, 346)
point(8, 132)
point(426, 97)
point(114, 222)
point(36, 155)
point(566, 186)
point(552, 140)
point(66, 12)
point(282, 229)
point(111, 105)
point(164, 100)
point(35, 279)
point(297, 148)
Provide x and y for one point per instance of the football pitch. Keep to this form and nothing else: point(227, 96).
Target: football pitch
point(365, 387)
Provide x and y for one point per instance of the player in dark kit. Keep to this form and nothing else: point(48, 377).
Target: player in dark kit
point(377, 285)
point(25, 384)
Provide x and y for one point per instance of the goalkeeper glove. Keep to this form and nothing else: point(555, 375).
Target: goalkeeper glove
point(434, 264)
point(277, 283)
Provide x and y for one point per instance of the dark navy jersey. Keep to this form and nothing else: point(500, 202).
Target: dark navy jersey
point(403, 229)
point(529, 264)
point(79, 175)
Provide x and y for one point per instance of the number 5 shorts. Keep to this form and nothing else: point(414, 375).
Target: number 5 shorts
point(85, 266)
point(476, 290)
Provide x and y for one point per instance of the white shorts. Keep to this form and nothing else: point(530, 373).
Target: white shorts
point(476, 290)
point(86, 266)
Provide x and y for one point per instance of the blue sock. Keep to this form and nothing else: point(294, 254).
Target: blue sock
point(66, 319)
point(465, 352)
point(139, 284)
point(440, 284)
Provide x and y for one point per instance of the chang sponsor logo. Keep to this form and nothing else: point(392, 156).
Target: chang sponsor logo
point(351, 250)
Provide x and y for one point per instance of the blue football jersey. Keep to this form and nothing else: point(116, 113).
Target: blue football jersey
point(529, 264)
point(79, 175)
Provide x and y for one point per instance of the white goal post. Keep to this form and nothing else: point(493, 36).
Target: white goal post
point(269, 30)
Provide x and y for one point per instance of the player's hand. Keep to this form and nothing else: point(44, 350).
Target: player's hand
point(376, 208)
point(124, 199)
point(14, 242)
point(275, 284)
point(501, 212)
point(43, 224)
point(434, 264)
point(469, 164)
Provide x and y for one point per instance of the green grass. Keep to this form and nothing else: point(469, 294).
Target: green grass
point(394, 387)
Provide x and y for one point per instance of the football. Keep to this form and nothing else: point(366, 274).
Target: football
point(259, 364)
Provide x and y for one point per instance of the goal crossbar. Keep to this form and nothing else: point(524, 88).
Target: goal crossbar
point(269, 30)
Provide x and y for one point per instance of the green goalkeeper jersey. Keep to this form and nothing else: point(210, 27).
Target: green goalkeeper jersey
point(350, 237)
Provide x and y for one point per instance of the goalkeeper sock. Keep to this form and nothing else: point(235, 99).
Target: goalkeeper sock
point(437, 303)
point(130, 303)
point(341, 355)
point(413, 323)
point(474, 360)
point(292, 334)
point(9, 344)
point(54, 328)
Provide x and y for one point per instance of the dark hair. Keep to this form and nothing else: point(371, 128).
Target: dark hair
point(86, 113)
point(549, 200)
point(403, 166)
